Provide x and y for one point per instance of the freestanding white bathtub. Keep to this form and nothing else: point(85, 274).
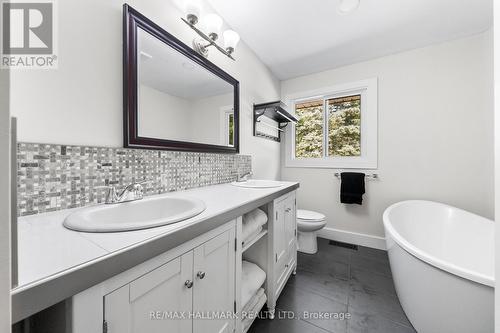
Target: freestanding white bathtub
point(442, 262)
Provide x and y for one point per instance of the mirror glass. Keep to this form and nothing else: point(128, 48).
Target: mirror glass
point(178, 99)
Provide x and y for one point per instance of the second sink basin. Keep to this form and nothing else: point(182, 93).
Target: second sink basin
point(257, 183)
point(135, 215)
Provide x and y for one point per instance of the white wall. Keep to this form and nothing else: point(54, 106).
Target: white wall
point(206, 121)
point(435, 133)
point(81, 101)
point(497, 159)
point(163, 116)
point(5, 314)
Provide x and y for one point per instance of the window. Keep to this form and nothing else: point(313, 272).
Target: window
point(227, 126)
point(309, 129)
point(230, 125)
point(337, 127)
point(344, 126)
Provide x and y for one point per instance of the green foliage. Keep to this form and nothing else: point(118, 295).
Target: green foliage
point(231, 130)
point(309, 133)
point(344, 130)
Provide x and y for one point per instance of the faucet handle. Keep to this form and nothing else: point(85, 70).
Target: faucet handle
point(111, 195)
point(244, 177)
point(137, 188)
point(131, 192)
point(135, 185)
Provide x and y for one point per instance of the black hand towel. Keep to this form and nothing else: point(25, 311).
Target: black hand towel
point(352, 187)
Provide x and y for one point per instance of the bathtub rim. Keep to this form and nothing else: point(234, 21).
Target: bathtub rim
point(484, 279)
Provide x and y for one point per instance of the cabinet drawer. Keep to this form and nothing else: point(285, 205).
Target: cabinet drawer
point(283, 265)
point(284, 271)
point(281, 270)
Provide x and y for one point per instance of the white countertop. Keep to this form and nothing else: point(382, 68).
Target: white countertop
point(47, 250)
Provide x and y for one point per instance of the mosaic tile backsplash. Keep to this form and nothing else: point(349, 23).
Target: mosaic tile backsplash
point(54, 177)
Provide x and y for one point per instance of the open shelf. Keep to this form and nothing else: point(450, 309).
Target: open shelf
point(247, 328)
point(275, 111)
point(247, 245)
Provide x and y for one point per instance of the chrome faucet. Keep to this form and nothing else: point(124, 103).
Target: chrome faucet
point(244, 177)
point(131, 192)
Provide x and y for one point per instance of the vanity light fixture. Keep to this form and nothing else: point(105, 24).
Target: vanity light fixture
point(193, 10)
point(212, 24)
point(231, 39)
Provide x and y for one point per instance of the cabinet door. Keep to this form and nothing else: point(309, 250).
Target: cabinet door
point(280, 242)
point(155, 302)
point(214, 284)
point(280, 247)
point(290, 223)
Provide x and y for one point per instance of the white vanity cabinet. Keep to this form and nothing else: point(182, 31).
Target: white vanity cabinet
point(283, 242)
point(194, 285)
point(173, 292)
point(189, 288)
point(142, 305)
point(285, 236)
point(214, 289)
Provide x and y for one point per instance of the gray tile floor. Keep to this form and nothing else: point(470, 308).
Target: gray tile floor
point(339, 280)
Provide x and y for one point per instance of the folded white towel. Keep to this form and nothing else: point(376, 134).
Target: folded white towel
point(253, 301)
point(252, 278)
point(252, 221)
point(252, 235)
point(250, 316)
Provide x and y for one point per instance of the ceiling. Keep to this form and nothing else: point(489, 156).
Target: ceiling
point(299, 37)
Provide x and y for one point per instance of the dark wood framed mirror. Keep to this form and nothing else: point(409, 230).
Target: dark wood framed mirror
point(174, 98)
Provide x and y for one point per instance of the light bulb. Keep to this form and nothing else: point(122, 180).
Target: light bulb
point(231, 39)
point(213, 24)
point(192, 9)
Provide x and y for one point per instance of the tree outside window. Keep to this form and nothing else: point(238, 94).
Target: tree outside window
point(343, 128)
point(231, 129)
point(309, 130)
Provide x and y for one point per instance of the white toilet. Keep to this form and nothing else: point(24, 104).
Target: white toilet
point(308, 224)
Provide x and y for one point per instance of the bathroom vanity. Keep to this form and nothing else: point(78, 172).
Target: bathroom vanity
point(171, 261)
point(148, 280)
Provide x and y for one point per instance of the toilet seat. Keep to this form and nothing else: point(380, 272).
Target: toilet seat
point(307, 226)
point(308, 221)
point(309, 216)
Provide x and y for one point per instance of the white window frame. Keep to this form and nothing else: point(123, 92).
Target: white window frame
point(369, 128)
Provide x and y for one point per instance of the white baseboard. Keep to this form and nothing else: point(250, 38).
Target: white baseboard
point(375, 242)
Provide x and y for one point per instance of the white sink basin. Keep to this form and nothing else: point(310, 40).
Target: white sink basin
point(257, 183)
point(135, 215)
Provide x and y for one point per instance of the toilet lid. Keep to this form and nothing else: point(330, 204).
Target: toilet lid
point(309, 215)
